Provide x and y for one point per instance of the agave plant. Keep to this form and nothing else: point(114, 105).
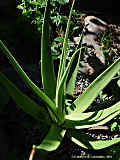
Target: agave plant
point(63, 115)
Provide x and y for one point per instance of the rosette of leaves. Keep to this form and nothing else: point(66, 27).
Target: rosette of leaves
point(53, 107)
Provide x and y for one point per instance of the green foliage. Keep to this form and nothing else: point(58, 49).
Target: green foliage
point(61, 1)
point(103, 96)
point(58, 19)
point(115, 126)
point(118, 78)
point(33, 10)
point(76, 25)
point(106, 39)
point(63, 118)
point(118, 82)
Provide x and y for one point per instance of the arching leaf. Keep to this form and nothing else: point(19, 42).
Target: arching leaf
point(84, 100)
point(91, 119)
point(47, 67)
point(24, 102)
point(84, 141)
point(53, 139)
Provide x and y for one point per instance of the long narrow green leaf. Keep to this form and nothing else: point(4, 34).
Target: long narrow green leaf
point(64, 54)
point(60, 90)
point(104, 144)
point(47, 67)
point(85, 142)
point(84, 100)
point(52, 140)
point(71, 80)
point(27, 80)
point(70, 84)
point(76, 124)
point(89, 115)
point(24, 102)
point(92, 119)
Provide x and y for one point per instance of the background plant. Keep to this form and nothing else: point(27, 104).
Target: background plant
point(51, 106)
point(34, 10)
point(106, 40)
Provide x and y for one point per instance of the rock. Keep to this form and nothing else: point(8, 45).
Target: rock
point(76, 40)
point(95, 25)
point(94, 57)
point(92, 46)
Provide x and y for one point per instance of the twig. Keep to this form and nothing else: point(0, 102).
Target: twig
point(32, 154)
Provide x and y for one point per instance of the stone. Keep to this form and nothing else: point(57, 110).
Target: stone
point(94, 60)
point(95, 25)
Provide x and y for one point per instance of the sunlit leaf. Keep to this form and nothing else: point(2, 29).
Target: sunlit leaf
point(60, 89)
point(118, 82)
point(85, 142)
point(91, 119)
point(64, 53)
point(71, 81)
point(84, 100)
point(47, 67)
point(53, 139)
